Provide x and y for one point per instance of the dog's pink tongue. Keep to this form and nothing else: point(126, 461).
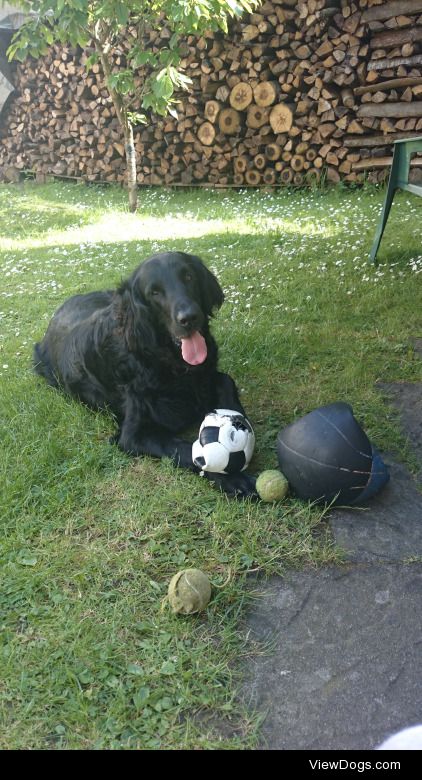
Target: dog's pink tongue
point(194, 349)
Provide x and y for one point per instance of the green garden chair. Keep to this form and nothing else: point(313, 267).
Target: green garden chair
point(399, 179)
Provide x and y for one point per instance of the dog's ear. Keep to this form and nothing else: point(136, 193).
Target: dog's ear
point(135, 318)
point(211, 292)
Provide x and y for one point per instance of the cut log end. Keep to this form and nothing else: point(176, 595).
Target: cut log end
point(281, 118)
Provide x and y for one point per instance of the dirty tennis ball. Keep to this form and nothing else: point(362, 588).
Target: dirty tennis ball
point(272, 485)
point(189, 591)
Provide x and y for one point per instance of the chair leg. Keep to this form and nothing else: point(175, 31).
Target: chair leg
point(391, 189)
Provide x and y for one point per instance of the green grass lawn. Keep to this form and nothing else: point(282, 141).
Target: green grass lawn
point(90, 654)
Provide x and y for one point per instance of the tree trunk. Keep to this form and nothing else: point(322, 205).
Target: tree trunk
point(121, 113)
point(131, 168)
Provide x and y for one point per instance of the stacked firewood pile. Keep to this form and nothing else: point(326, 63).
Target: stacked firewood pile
point(296, 91)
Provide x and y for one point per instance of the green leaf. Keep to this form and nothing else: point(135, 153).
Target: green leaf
point(26, 558)
point(155, 585)
point(168, 57)
point(137, 118)
point(141, 697)
point(122, 82)
point(148, 101)
point(162, 86)
point(122, 13)
point(163, 704)
point(174, 40)
point(140, 58)
point(86, 677)
point(168, 667)
point(135, 669)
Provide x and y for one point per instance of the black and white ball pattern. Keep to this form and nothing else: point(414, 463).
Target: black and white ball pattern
point(225, 444)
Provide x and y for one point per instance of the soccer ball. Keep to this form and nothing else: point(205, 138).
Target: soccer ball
point(226, 442)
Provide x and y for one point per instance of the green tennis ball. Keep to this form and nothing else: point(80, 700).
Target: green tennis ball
point(189, 591)
point(272, 485)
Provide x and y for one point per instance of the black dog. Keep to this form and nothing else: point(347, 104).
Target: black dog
point(145, 352)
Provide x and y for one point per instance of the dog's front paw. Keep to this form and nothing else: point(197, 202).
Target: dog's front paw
point(235, 485)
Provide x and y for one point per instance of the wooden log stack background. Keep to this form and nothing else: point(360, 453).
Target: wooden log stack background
point(296, 91)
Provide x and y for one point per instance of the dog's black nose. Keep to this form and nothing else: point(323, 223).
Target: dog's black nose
point(188, 317)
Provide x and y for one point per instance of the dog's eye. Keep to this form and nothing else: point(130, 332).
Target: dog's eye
point(155, 291)
point(188, 276)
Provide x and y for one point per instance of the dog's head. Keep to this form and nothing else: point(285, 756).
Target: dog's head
point(175, 292)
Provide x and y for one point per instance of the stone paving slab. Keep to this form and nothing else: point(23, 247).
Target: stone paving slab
point(346, 669)
point(387, 528)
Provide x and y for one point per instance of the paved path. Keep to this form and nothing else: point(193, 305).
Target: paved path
point(346, 669)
